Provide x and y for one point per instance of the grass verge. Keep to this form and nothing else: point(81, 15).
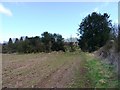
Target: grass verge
point(100, 74)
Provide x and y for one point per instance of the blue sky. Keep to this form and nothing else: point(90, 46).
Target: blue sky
point(32, 19)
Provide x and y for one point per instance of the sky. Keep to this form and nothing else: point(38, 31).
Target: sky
point(33, 18)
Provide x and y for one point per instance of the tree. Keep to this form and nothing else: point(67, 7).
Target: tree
point(57, 42)
point(20, 45)
point(94, 31)
point(10, 41)
point(26, 47)
point(46, 39)
point(15, 45)
point(4, 48)
point(47, 43)
point(21, 38)
point(10, 46)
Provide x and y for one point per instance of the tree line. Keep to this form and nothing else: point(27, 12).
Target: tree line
point(94, 32)
point(47, 43)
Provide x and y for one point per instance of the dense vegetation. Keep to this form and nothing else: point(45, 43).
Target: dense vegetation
point(47, 43)
point(94, 32)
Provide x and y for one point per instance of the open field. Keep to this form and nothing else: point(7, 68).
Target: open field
point(51, 70)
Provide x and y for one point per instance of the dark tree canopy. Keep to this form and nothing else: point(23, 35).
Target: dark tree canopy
point(10, 46)
point(46, 39)
point(47, 43)
point(57, 42)
point(94, 31)
point(52, 42)
point(10, 41)
point(21, 38)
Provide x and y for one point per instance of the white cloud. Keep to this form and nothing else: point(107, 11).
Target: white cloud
point(5, 10)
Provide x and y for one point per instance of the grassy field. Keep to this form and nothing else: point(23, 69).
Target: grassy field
point(56, 70)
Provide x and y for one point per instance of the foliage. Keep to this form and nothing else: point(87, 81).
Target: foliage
point(47, 43)
point(57, 42)
point(94, 31)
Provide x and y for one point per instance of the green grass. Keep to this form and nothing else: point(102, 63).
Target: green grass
point(97, 74)
point(101, 75)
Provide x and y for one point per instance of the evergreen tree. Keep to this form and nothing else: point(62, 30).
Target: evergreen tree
point(94, 31)
point(10, 46)
point(46, 39)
